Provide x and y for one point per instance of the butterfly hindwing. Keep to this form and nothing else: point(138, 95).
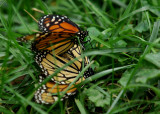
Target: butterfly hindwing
point(49, 63)
point(50, 92)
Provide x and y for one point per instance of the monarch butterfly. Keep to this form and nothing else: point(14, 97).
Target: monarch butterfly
point(48, 93)
point(49, 62)
point(55, 30)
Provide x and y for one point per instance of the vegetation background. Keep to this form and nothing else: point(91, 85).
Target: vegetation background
point(125, 49)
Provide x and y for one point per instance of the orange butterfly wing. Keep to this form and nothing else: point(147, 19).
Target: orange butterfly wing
point(58, 42)
point(57, 23)
point(50, 92)
point(50, 62)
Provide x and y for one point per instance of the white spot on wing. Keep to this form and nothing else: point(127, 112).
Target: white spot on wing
point(56, 22)
point(53, 19)
point(62, 82)
point(47, 25)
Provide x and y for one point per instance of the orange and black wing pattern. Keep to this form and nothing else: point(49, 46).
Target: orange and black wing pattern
point(57, 42)
point(27, 38)
point(49, 63)
point(57, 23)
point(50, 92)
point(59, 33)
point(56, 46)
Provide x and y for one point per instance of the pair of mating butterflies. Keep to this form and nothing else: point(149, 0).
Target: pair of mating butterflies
point(56, 46)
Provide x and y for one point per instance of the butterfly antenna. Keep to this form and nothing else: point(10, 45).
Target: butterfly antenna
point(37, 10)
point(31, 16)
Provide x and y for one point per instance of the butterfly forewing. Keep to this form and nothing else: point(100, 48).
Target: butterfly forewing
point(58, 42)
point(57, 23)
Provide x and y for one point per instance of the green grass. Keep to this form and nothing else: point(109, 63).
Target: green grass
point(125, 39)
